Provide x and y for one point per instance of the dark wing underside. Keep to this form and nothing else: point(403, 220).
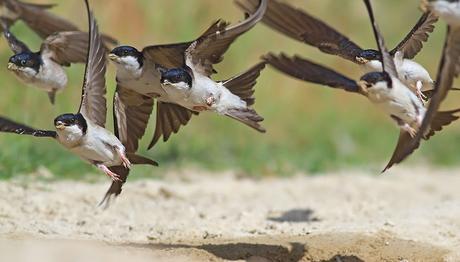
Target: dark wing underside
point(93, 102)
point(210, 47)
point(308, 71)
point(9, 126)
point(413, 42)
point(301, 26)
point(15, 44)
point(116, 186)
point(40, 20)
point(170, 117)
point(131, 112)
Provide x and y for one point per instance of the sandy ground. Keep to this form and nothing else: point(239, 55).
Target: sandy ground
point(407, 215)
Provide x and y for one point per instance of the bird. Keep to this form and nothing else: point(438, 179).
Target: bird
point(44, 69)
point(383, 88)
point(154, 73)
point(39, 19)
point(448, 69)
point(301, 26)
point(84, 132)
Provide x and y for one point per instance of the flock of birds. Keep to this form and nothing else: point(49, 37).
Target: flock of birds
point(178, 77)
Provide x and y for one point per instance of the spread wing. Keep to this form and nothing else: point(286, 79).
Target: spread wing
point(39, 19)
point(15, 44)
point(93, 102)
point(308, 71)
point(168, 56)
point(388, 63)
point(66, 47)
point(434, 120)
point(9, 126)
point(131, 112)
point(301, 26)
point(209, 48)
point(170, 117)
point(413, 42)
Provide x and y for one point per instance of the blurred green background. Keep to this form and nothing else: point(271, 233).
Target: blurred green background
point(311, 128)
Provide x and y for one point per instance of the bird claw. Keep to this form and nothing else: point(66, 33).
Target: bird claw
point(412, 132)
point(125, 161)
point(210, 101)
point(115, 177)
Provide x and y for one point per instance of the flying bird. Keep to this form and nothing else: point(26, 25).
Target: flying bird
point(84, 133)
point(383, 88)
point(301, 26)
point(178, 77)
point(44, 69)
point(448, 69)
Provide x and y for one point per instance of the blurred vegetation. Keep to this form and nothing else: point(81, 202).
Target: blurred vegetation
point(310, 128)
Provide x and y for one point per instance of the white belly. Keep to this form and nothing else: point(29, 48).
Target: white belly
point(449, 12)
point(51, 77)
point(398, 101)
point(98, 145)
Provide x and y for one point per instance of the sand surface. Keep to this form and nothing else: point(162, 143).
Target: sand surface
point(406, 215)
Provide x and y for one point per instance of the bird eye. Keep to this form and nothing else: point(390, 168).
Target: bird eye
point(23, 62)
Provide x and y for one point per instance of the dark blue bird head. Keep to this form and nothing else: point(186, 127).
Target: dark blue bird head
point(25, 60)
point(370, 79)
point(369, 55)
point(66, 120)
point(127, 51)
point(175, 76)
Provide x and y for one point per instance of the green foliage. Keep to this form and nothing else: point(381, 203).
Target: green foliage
point(310, 128)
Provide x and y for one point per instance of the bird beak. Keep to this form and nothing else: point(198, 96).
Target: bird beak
point(60, 126)
point(113, 57)
point(12, 66)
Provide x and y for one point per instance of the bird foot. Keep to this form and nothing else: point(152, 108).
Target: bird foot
point(418, 88)
point(126, 163)
point(412, 132)
point(112, 175)
point(210, 101)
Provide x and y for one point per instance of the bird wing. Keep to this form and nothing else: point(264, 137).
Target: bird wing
point(170, 117)
point(9, 126)
point(16, 45)
point(210, 47)
point(39, 19)
point(93, 103)
point(308, 71)
point(131, 112)
point(413, 42)
point(66, 47)
point(168, 56)
point(301, 26)
point(388, 63)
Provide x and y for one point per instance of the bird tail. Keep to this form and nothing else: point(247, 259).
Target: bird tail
point(247, 116)
point(243, 85)
point(140, 160)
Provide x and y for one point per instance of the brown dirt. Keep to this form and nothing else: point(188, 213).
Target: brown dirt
point(408, 215)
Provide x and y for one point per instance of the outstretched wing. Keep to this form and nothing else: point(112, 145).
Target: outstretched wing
point(15, 44)
point(168, 56)
point(66, 48)
point(308, 71)
point(413, 42)
point(388, 63)
point(301, 26)
point(209, 49)
point(170, 117)
point(39, 19)
point(9, 126)
point(131, 112)
point(93, 102)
